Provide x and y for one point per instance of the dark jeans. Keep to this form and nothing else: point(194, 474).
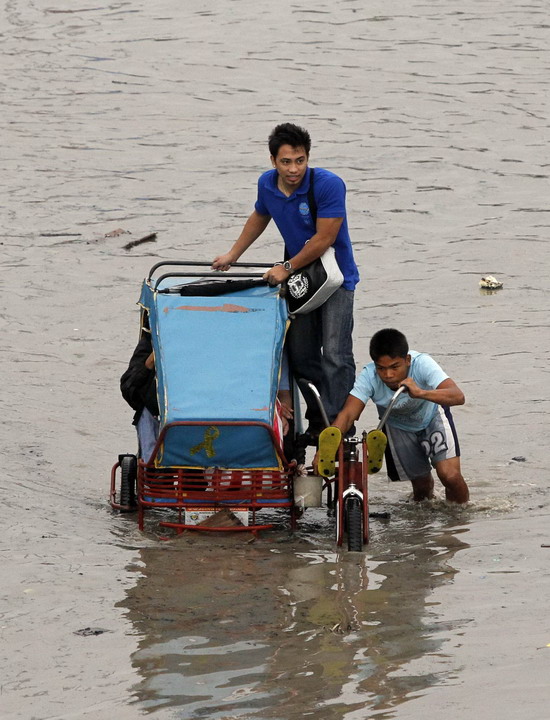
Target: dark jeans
point(320, 350)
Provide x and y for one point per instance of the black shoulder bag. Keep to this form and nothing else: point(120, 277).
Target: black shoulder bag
point(311, 286)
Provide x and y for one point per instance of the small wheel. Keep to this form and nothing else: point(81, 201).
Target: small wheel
point(354, 524)
point(128, 475)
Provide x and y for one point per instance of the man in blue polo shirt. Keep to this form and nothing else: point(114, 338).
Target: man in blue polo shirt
point(319, 343)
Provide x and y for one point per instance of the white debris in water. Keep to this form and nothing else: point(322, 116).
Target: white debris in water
point(490, 282)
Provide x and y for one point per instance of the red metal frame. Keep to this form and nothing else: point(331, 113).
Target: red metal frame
point(112, 491)
point(365, 488)
point(357, 472)
point(341, 482)
point(179, 488)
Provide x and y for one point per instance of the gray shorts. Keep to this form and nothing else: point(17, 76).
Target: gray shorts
point(410, 455)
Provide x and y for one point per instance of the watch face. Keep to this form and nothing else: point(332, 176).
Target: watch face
point(287, 266)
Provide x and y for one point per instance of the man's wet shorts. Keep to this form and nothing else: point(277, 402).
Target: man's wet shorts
point(412, 454)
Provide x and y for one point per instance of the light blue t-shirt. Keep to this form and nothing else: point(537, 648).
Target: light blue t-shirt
point(408, 413)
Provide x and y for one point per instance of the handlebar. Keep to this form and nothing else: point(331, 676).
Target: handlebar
point(203, 264)
point(388, 410)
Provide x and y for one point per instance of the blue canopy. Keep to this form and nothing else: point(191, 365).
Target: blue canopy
point(217, 359)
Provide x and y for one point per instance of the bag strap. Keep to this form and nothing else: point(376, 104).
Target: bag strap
point(311, 203)
point(311, 197)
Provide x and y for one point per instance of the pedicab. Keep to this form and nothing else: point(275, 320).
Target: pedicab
point(220, 462)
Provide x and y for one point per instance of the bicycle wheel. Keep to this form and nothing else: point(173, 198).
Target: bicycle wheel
point(128, 475)
point(354, 524)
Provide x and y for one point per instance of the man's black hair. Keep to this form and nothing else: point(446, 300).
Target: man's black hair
point(289, 134)
point(388, 342)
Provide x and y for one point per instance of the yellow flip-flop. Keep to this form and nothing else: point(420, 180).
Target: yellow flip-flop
point(329, 442)
point(376, 445)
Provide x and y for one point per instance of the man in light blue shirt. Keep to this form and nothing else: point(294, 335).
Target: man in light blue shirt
point(420, 428)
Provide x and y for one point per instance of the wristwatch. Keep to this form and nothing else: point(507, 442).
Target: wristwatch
point(287, 266)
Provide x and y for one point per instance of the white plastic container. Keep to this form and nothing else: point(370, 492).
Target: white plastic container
point(307, 491)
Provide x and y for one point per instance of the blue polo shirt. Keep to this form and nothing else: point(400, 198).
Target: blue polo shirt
point(294, 220)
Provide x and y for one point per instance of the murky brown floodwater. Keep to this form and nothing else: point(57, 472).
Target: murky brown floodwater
point(153, 117)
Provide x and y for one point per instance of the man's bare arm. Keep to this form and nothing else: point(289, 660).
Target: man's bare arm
point(253, 228)
point(327, 230)
point(447, 393)
point(353, 407)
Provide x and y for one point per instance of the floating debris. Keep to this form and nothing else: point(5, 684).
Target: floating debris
point(147, 238)
point(60, 234)
point(489, 282)
point(117, 232)
point(223, 518)
point(519, 458)
point(90, 631)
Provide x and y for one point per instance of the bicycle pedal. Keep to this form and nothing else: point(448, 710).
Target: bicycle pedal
point(376, 446)
point(329, 442)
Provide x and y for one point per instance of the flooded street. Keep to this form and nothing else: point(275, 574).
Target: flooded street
point(123, 119)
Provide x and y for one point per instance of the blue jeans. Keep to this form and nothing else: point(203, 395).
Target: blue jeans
point(320, 350)
point(148, 431)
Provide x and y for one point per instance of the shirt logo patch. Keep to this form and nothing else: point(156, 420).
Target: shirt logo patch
point(303, 208)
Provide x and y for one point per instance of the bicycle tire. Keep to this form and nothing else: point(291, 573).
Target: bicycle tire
point(128, 476)
point(354, 524)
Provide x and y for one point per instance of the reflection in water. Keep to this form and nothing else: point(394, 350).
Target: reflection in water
point(298, 629)
point(198, 672)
